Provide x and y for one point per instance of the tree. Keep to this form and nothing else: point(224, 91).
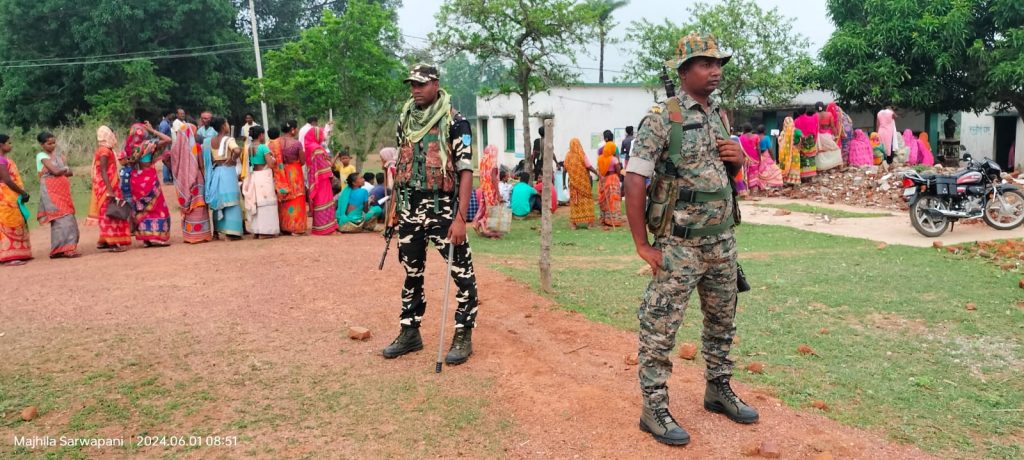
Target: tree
point(770, 63)
point(43, 37)
point(141, 89)
point(998, 54)
point(465, 79)
point(532, 40)
point(603, 10)
point(349, 63)
point(285, 19)
point(908, 53)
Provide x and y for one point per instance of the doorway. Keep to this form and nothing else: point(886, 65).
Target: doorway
point(1005, 136)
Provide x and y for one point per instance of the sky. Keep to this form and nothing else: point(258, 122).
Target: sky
point(416, 19)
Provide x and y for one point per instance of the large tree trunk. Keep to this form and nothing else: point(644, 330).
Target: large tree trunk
point(600, 64)
point(545, 211)
point(524, 94)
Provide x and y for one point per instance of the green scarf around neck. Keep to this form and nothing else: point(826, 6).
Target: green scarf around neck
point(417, 122)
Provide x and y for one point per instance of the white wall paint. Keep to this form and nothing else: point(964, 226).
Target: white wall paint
point(977, 133)
point(1019, 146)
point(580, 112)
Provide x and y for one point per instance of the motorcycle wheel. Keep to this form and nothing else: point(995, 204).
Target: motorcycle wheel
point(924, 223)
point(1008, 214)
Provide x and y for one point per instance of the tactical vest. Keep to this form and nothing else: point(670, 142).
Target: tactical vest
point(666, 193)
point(418, 167)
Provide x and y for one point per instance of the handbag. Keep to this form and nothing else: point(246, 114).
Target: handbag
point(118, 209)
point(499, 218)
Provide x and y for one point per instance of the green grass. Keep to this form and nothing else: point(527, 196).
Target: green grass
point(901, 354)
point(833, 213)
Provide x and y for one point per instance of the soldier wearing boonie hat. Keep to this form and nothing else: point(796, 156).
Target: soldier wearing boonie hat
point(682, 146)
point(433, 182)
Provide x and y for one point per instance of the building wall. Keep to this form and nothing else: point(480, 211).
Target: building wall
point(977, 133)
point(582, 112)
point(1019, 146)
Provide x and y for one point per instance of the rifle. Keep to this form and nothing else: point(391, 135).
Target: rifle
point(390, 225)
point(670, 85)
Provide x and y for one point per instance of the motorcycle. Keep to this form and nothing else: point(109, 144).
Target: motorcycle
point(938, 201)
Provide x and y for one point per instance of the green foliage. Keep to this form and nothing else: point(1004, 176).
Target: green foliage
point(908, 53)
point(50, 29)
point(349, 63)
point(602, 10)
point(288, 18)
point(465, 79)
point(533, 40)
point(142, 89)
point(770, 63)
point(1000, 54)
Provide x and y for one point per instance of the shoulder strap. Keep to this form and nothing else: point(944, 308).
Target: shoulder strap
point(725, 121)
point(675, 133)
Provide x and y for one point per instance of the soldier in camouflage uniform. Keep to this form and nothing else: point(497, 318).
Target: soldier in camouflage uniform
point(694, 246)
point(433, 181)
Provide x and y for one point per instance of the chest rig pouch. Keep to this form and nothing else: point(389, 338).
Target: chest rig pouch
point(424, 166)
point(665, 193)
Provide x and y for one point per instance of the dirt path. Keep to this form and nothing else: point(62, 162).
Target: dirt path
point(209, 312)
point(895, 229)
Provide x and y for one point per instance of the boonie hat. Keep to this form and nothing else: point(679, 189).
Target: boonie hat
point(422, 73)
point(694, 45)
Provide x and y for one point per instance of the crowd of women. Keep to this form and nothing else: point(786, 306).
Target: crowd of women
point(822, 138)
point(265, 187)
point(573, 183)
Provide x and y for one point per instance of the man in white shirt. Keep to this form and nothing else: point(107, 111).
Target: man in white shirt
point(249, 123)
point(369, 181)
point(311, 123)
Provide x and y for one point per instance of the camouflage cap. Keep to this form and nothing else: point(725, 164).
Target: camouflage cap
point(422, 73)
point(694, 45)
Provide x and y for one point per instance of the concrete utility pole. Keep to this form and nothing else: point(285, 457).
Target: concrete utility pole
point(259, 59)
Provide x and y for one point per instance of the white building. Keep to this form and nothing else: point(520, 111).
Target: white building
point(585, 111)
point(582, 112)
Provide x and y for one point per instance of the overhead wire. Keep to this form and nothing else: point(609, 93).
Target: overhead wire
point(268, 42)
point(246, 49)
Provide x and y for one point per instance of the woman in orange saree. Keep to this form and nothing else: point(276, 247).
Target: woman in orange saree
point(609, 189)
point(115, 234)
point(288, 180)
point(15, 247)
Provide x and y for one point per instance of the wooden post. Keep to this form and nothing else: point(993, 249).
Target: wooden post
point(545, 211)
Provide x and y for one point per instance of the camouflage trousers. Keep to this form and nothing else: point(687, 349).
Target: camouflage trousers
point(422, 222)
point(711, 269)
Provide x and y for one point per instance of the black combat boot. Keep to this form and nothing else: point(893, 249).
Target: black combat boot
point(462, 346)
point(660, 424)
point(408, 341)
point(719, 397)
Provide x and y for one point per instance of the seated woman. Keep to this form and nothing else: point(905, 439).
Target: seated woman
point(354, 210)
point(525, 198)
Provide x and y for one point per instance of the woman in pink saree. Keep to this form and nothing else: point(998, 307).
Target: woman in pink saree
point(190, 183)
point(861, 153)
point(752, 168)
point(321, 195)
point(914, 154)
